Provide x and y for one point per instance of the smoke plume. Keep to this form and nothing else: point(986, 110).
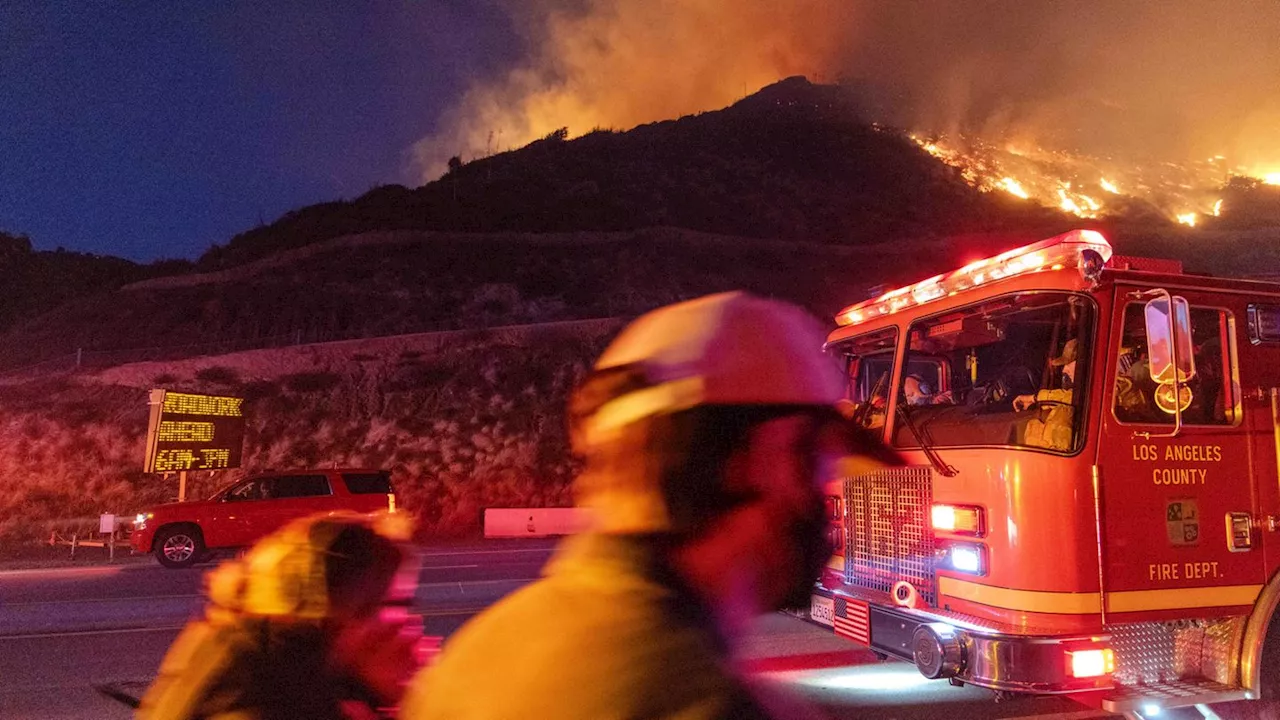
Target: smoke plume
point(1140, 79)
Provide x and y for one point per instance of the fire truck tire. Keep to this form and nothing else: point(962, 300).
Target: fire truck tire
point(179, 547)
point(1269, 666)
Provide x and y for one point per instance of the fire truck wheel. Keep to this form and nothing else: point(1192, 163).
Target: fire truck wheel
point(1270, 662)
point(179, 547)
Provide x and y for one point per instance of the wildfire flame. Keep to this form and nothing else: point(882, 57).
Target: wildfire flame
point(1013, 187)
point(1184, 192)
point(1272, 178)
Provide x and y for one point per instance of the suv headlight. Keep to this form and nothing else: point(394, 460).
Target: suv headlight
point(140, 520)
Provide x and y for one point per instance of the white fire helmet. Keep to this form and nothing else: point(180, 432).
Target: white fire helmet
point(727, 349)
point(731, 349)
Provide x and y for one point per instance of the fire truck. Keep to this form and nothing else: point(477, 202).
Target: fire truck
point(1093, 495)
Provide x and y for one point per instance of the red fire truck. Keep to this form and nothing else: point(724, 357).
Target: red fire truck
point(1094, 495)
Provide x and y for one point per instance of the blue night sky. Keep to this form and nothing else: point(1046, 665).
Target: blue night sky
point(151, 130)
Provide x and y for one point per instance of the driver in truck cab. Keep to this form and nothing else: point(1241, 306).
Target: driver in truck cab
point(1052, 427)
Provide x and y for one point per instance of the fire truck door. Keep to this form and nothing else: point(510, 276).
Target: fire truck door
point(1176, 511)
point(1260, 403)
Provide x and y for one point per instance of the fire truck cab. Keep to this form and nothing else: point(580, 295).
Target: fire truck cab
point(1094, 495)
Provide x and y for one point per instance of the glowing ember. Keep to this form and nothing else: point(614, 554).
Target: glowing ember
point(1109, 186)
point(1187, 219)
point(1013, 187)
point(1067, 203)
point(1217, 208)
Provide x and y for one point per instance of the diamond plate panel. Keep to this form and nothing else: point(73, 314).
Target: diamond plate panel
point(1148, 653)
point(1220, 657)
point(889, 537)
point(1144, 653)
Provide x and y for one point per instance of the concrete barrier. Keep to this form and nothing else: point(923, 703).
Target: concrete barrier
point(532, 522)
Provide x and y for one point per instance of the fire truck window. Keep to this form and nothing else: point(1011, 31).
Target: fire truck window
point(1208, 398)
point(869, 361)
point(998, 373)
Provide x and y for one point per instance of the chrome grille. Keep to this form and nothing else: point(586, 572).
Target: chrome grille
point(888, 537)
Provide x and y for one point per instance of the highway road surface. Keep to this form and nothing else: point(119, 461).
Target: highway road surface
point(64, 630)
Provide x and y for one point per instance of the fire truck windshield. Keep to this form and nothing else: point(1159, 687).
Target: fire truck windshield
point(1001, 372)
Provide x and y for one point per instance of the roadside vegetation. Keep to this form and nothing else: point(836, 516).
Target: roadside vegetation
point(477, 423)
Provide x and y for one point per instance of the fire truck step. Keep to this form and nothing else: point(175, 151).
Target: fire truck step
point(1150, 699)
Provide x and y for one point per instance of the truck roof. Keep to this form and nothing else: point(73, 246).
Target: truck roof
point(1076, 260)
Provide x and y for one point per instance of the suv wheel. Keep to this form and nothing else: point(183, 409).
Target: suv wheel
point(179, 547)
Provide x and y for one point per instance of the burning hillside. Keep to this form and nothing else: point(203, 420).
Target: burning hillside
point(1092, 186)
point(1125, 110)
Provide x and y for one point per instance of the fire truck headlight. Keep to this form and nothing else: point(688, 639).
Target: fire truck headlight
point(140, 520)
point(1091, 663)
point(959, 519)
point(966, 558)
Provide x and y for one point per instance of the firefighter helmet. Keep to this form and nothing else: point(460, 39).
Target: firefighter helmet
point(727, 349)
point(665, 393)
point(291, 574)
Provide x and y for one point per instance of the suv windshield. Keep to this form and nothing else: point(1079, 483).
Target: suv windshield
point(1000, 372)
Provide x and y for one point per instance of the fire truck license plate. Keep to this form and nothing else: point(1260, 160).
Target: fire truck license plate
point(822, 610)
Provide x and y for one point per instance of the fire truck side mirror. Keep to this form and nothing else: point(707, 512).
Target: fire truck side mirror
point(1162, 334)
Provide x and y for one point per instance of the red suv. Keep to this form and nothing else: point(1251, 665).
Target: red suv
point(180, 533)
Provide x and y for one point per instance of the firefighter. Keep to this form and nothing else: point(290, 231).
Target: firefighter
point(312, 622)
point(1052, 428)
point(708, 428)
point(918, 392)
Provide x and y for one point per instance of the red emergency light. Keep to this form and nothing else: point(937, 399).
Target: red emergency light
point(1066, 250)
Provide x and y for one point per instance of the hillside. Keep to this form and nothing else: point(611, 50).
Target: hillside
point(34, 282)
point(402, 282)
point(794, 161)
point(463, 420)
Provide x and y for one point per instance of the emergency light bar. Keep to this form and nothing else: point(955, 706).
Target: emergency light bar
point(1066, 250)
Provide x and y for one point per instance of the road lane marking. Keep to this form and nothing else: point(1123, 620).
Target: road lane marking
point(488, 552)
point(1073, 715)
point(444, 612)
point(451, 613)
point(447, 583)
point(73, 633)
point(24, 603)
point(460, 585)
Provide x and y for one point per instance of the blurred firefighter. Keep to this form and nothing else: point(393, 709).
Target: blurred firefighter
point(1052, 428)
point(313, 622)
point(708, 429)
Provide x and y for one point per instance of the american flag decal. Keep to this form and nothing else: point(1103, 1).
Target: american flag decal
point(853, 620)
